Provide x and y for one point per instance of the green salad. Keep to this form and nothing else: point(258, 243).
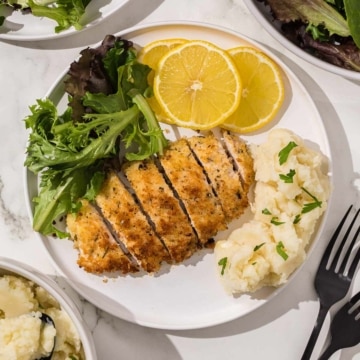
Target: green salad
point(328, 29)
point(107, 117)
point(66, 13)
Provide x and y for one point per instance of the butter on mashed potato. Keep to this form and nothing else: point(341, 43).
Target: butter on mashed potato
point(23, 336)
point(290, 194)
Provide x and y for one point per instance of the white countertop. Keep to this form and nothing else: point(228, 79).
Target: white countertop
point(279, 329)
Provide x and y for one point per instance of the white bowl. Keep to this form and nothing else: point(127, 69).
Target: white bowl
point(12, 267)
point(264, 18)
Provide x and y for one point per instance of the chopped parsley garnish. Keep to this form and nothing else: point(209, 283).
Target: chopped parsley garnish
point(280, 249)
point(257, 247)
point(223, 262)
point(288, 178)
point(310, 206)
point(275, 221)
point(266, 211)
point(297, 219)
point(284, 153)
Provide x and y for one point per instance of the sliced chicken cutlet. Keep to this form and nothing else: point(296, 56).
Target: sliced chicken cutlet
point(98, 250)
point(191, 186)
point(130, 225)
point(243, 160)
point(163, 208)
point(220, 170)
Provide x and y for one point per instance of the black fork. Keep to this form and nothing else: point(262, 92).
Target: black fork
point(332, 280)
point(46, 319)
point(345, 328)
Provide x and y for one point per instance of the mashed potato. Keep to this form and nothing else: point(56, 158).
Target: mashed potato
point(23, 336)
point(291, 193)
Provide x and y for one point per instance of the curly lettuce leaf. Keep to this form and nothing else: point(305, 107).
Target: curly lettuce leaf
point(66, 13)
point(96, 71)
point(344, 54)
point(63, 146)
point(2, 15)
point(352, 10)
point(313, 12)
point(60, 193)
point(16, 4)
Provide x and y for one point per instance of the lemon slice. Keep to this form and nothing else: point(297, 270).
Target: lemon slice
point(262, 92)
point(197, 85)
point(150, 55)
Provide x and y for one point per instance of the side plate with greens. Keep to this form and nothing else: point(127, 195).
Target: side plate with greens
point(27, 27)
point(335, 24)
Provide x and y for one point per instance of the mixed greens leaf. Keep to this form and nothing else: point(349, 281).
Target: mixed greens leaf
point(328, 29)
point(71, 151)
point(352, 11)
point(66, 13)
point(314, 12)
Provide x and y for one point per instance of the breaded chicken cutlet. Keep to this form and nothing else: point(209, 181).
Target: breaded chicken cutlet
point(98, 250)
point(223, 176)
point(162, 210)
point(129, 224)
point(191, 186)
point(238, 151)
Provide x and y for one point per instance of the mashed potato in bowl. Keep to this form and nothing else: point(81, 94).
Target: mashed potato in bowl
point(22, 333)
point(290, 195)
point(24, 296)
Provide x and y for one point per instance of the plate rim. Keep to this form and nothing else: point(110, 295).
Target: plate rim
point(320, 226)
point(68, 32)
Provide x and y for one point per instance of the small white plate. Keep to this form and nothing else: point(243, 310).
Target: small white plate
point(263, 16)
point(26, 27)
point(189, 295)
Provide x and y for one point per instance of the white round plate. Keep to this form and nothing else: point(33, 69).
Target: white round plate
point(26, 27)
point(189, 295)
point(263, 16)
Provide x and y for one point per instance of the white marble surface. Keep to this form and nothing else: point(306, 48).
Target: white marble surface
point(278, 330)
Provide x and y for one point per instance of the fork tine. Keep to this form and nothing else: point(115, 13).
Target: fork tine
point(333, 239)
point(343, 241)
point(350, 248)
point(328, 296)
point(355, 299)
point(355, 261)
